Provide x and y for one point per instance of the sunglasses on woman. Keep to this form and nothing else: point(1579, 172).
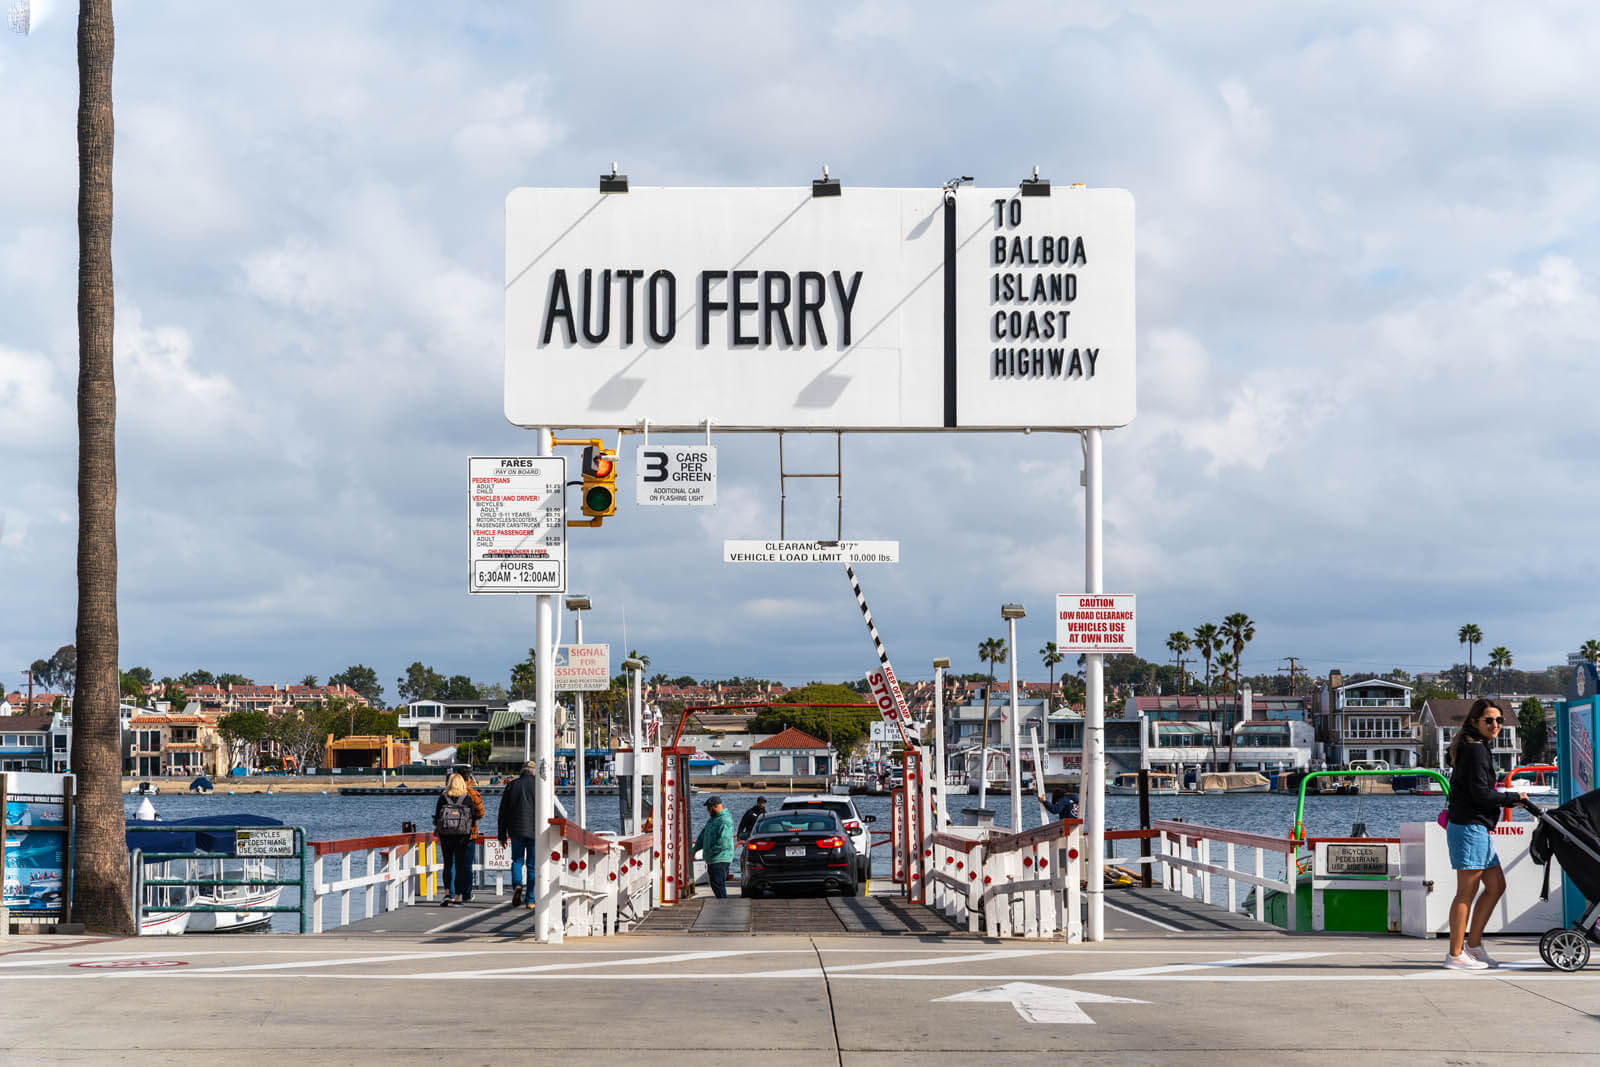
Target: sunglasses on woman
point(1494, 719)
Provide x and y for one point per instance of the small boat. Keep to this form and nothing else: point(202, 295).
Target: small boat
point(956, 785)
point(1537, 781)
point(168, 909)
point(1219, 782)
point(1127, 784)
point(1427, 784)
point(145, 789)
point(202, 784)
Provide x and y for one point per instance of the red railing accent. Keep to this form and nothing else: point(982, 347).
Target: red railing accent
point(1132, 835)
point(1310, 841)
point(639, 843)
point(959, 844)
point(571, 831)
point(357, 844)
point(1051, 831)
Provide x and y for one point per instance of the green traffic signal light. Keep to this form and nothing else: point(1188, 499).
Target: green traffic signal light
point(599, 483)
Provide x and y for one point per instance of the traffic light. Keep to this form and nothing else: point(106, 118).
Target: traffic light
point(599, 482)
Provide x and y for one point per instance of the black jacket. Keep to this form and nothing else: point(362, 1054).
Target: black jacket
point(1474, 801)
point(749, 821)
point(519, 807)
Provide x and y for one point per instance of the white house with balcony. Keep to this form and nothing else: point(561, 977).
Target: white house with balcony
point(1370, 719)
point(448, 722)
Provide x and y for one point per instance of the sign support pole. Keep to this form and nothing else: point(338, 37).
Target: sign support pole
point(581, 767)
point(1094, 711)
point(941, 815)
point(547, 872)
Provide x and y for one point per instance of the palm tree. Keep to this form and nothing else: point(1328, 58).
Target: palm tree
point(1226, 663)
point(634, 653)
point(1500, 659)
point(1238, 630)
point(100, 871)
point(1206, 642)
point(991, 650)
point(1178, 644)
point(1051, 655)
point(1469, 635)
point(1591, 650)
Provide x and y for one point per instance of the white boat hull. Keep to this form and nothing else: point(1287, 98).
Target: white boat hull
point(164, 922)
point(220, 922)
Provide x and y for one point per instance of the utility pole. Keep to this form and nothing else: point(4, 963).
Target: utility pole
point(1294, 669)
point(30, 690)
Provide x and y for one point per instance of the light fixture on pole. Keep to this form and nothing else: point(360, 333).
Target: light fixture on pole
point(578, 605)
point(941, 814)
point(635, 822)
point(1011, 613)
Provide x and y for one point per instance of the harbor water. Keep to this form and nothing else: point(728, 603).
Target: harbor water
point(331, 817)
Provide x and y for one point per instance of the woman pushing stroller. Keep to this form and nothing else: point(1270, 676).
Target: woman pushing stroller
point(1475, 807)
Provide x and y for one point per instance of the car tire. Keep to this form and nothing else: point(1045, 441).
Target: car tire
point(863, 869)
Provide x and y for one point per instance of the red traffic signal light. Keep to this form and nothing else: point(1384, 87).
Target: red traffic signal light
point(599, 482)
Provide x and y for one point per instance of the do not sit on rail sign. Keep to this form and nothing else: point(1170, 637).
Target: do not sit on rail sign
point(1095, 622)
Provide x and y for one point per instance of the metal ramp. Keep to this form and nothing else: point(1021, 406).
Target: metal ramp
point(798, 915)
point(1134, 911)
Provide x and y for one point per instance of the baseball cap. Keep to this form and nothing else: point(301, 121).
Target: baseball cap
point(712, 801)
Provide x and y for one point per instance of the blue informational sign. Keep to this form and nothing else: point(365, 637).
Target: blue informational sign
point(1578, 772)
point(35, 852)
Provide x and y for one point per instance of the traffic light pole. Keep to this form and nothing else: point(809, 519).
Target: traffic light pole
point(1093, 772)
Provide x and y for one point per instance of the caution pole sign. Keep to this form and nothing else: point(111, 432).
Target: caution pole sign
point(1095, 622)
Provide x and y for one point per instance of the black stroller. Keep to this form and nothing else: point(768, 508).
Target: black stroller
point(1570, 833)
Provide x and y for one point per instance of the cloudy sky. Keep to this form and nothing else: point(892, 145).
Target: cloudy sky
point(1367, 319)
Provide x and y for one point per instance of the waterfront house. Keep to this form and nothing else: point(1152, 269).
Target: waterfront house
point(1442, 719)
point(449, 722)
point(792, 752)
point(1250, 732)
point(24, 743)
point(183, 745)
point(1368, 720)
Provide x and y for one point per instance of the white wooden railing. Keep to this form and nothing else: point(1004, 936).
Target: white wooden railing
point(1186, 858)
point(607, 884)
point(1026, 884)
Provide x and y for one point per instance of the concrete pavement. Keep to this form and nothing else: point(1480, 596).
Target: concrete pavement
point(781, 999)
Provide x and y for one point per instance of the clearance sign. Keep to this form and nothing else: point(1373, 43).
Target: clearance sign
point(1095, 622)
point(877, 309)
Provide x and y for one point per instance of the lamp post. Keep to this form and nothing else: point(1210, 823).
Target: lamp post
point(941, 814)
point(1011, 613)
point(636, 726)
point(578, 605)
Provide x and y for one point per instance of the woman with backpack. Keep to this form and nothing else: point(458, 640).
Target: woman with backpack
point(455, 822)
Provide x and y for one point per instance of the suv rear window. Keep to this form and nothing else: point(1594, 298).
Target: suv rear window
point(840, 809)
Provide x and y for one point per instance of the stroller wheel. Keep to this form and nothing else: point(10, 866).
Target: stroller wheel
point(1565, 950)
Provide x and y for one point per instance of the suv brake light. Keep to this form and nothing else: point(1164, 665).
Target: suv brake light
point(852, 827)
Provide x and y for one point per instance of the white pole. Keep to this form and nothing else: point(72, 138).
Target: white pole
point(548, 927)
point(582, 770)
point(941, 817)
point(1016, 735)
point(636, 724)
point(1094, 712)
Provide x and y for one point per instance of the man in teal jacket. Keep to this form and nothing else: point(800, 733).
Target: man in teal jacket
point(716, 841)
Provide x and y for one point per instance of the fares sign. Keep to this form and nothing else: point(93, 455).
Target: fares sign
point(1095, 622)
point(768, 308)
point(517, 524)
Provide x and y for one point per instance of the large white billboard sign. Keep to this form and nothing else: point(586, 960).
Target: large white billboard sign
point(768, 308)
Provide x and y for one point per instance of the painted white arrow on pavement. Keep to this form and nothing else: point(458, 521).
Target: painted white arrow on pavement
point(1042, 1003)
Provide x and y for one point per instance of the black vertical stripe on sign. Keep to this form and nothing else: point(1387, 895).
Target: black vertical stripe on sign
point(949, 312)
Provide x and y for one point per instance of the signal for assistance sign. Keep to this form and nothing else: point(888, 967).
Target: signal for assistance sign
point(1095, 622)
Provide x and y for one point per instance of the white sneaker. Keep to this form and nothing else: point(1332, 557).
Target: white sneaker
point(1478, 953)
point(1465, 962)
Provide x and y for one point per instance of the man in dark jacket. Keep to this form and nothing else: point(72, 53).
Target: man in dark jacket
point(519, 828)
point(751, 817)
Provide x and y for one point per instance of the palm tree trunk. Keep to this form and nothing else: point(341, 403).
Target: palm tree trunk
point(101, 867)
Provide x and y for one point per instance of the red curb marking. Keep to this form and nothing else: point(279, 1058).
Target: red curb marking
point(132, 963)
